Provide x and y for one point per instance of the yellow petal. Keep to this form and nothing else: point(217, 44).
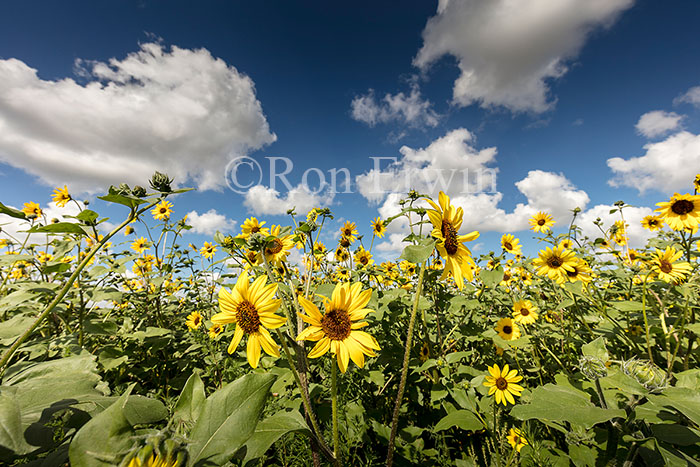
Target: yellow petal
point(253, 350)
point(343, 356)
point(268, 343)
point(237, 336)
point(320, 348)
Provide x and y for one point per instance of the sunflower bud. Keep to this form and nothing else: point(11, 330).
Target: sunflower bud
point(54, 221)
point(139, 191)
point(161, 182)
point(228, 242)
point(592, 368)
point(646, 373)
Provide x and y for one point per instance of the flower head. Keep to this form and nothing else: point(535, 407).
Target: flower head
point(652, 223)
point(681, 212)
point(349, 231)
point(278, 248)
point(61, 196)
point(32, 210)
point(140, 245)
point(194, 320)
point(524, 312)
point(208, 250)
point(666, 267)
point(363, 258)
point(515, 439)
point(378, 227)
point(338, 328)
point(507, 329)
point(511, 244)
point(541, 222)
point(251, 307)
point(555, 263)
point(162, 210)
point(502, 383)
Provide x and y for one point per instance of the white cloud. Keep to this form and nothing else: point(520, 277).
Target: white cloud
point(667, 166)
point(442, 165)
point(657, 123)
point(263, 200)
point(209, 222)
point(636, 234)
point(180, 111)
point(507, 50)
point(17, 227)
point(410, 109)
point(691, 96)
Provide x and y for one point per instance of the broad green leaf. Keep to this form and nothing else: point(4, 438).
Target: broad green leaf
point(105, 439)
point(11, 430)
point(560, 403)
point(491, 278)
point(464, 419)
point(11, 212)
point(130, 201)
point(596, 349)
point(686, 401)
point(418, 253)
point(228, 418)
point(59, 228)
point(189, 404)
point(627, 305)
point(88, 216)
point(676, 434)
point(270, 430)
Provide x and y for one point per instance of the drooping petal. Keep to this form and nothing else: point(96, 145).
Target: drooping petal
point(223, 318)
point(309, 333)
point(253, 350)
point(355, 350)
point(237, 336)
point(343, 356)
point(320, 348)
point(268, 343)
point(272, 321)
point(311, 310)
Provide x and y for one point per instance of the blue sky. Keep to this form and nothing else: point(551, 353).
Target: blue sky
point(557, 89)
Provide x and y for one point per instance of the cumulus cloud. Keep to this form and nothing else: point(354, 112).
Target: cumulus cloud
point(444, 165)
point(409, 109)
point(667, 165)
point(209, 222)
point(508, 51)
point(657, 123)
point(264, 200)
point(177, 110)
point(691, 96)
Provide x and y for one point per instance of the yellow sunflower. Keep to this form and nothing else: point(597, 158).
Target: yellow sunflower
point(341, 254)
point(681, 212)
point(524, 312)
point(349, 231)
point(140, 245)
point(61, 196)
point(666, 267)
point(580, 271)
point(567, 243)
point(312, 215)
point(652, 223)
point(128, 230)
point(208, 250)
point(541, 222)
point(516, 439)
point(378, 227)
point(251, 226)
point(502, 383)
point(338, 329)
point(507, 329)
point(32, 210)
point(278, 248)
point(446, 222)
point(363, 258)
point(555, 263)
point(194, 320)
point(511, 244)
point(252, 308)
point(215, 330)
point(162, 210)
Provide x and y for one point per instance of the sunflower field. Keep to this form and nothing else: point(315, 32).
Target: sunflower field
point(126, 350)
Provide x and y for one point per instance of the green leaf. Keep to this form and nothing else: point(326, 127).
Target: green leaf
point(491, 278)
point(228, 418)
point(58, 228)
point(558, 403)
point(105, 439)
point(596, 349)
point(676, 434)
point(12, 212)
point(686, 401)
point(11, 430)
point(87, 216)
point(628, 306)
point(190, 402)
point(464, 419)
point(140, 410)
point(418, 253)
point(130, 201)
point(270, 430)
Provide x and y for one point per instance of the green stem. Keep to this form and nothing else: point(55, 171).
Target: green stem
point(494, 434)
point(404, 369)
point(646, 322)
point(334, 401)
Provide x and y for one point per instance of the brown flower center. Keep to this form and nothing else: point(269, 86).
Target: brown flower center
point(507, 329)
point(665, 266)
point(524, 312)
point(344, 242)
point(501, 383)
point(247, 317)
point(507, 246)
point(682, 206)
point(364, 260)
point(449, 233)
point(336, 324)
point(554, 262)
point(572, 273)
point(275, 247)
point(541, 222)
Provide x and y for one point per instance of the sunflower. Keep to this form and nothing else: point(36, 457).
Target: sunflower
point(194, 320)
point(555, 263)
point(345, 242)
point(446, 222)
point(363, 258)
point(32, 210)
point(277, 249)
point(696, 182)
point(580, 271)
point(251, 226)
point(349, 231)
point(44, 257)
point(503, 384)
point(342, 275)
point(515, 439)
point(140, 245)
point(652, 223)
point(128, 230)
point(61, 196)
point(207, 250)
point(378, 227)
point(312, 215)
point(681, 212)
point(524, 312)
point(541, 222)
point(252, 308)
point(507, 329)
point(162, 210)
point(215, 330)
point(424, 352)
point(618, 233)
point(664, 264)
point(511, 244)
point(566, 243)
point(338, 329)
point(408, 268)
